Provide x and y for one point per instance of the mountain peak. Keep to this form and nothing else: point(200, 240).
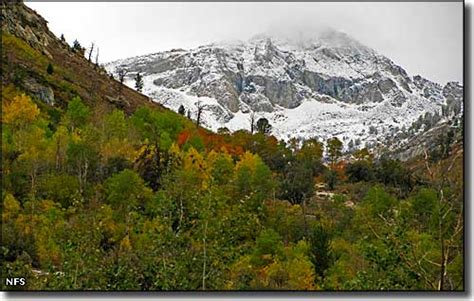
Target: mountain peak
point(326, 37)
point(321, 83)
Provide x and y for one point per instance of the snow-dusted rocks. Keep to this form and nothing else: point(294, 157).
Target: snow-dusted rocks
point(322, 86)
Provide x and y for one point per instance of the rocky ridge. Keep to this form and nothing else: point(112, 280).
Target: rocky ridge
point(29, 48)
point(328, 85)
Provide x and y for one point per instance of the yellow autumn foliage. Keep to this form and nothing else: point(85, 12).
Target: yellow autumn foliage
point(21, 111)
point(11, 207)
point(33, 144)
point(118, 147)
point(248, 160)
point(194, 162)
point(125, 244)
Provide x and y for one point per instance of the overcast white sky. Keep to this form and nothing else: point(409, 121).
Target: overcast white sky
point(424, 38)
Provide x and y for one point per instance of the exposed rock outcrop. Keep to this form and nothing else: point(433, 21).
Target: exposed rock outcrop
point(324, 86)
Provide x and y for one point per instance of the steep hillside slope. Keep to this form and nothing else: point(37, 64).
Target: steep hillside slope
point(28, 48)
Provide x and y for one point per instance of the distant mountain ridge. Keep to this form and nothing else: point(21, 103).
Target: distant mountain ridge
point(319, 86)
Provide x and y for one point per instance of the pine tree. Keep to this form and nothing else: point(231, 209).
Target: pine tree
point(181, 110)
point(139, 82)
point(76, 47)
point(50, 69)
point(334, 147)
point(320, 250)
point(263, 126)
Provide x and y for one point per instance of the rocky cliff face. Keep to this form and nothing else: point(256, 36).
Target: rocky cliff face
point(26, 24)
point(328, 85)
point(29, 48)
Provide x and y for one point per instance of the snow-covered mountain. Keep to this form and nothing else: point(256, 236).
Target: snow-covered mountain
point(323, 86)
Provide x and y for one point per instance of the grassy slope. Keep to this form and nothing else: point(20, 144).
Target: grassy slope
point(24, 62)
point(73, 74)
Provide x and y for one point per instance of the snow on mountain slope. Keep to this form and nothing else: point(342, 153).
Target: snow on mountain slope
point(323, 86)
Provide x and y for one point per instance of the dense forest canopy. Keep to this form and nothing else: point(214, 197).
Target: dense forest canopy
point(97, 199)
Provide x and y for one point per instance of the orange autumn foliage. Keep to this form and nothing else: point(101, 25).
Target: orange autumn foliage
point(339, 168)
point(183, 137)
